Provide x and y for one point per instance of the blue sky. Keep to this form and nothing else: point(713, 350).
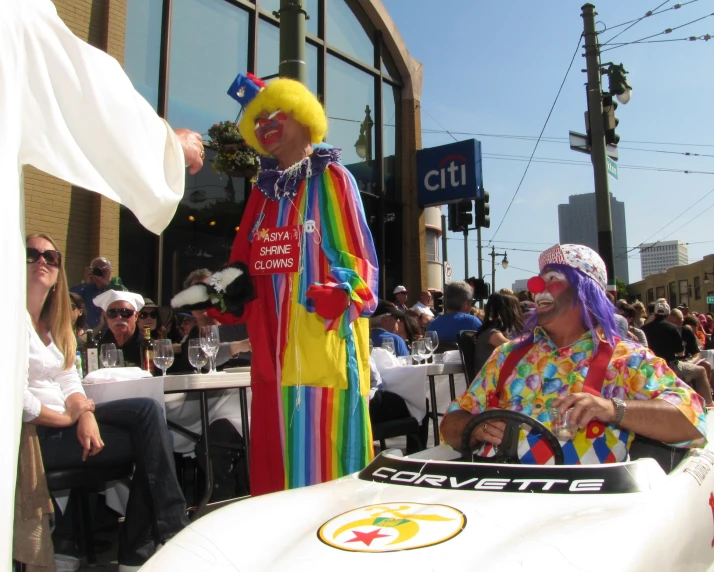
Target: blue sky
point(495, 68)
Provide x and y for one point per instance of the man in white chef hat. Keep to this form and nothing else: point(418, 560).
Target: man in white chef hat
point(121, 310)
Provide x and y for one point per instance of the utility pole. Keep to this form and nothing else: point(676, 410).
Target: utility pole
point(598, 147)
point(444, 255)
point(466, 252)
point(480, 264)
point(292, 40)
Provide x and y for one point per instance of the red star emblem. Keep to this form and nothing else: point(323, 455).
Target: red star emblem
point(366, 537)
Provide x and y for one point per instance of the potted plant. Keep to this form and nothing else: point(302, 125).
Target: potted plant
point(233, 156)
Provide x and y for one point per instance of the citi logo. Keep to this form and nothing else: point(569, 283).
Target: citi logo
point(455, 166)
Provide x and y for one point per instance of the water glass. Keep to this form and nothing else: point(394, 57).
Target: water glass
point(388, 344)
point(560, 423)
point(210, 341)
point(108, 355)
point(120, 358)
point(417, 351)
point(431, 341)
point(163, 355)
point(196, 356)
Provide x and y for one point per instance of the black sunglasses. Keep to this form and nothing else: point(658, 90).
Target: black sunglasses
point(52, 257)
point(123, 312)
point(152, 314)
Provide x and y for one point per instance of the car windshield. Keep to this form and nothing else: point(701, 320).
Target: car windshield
point(630, 477)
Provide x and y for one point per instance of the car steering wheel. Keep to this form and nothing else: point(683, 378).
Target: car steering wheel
point(507, 451)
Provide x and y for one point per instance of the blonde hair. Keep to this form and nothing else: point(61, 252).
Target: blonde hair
point(56, 312)
point(291, 97)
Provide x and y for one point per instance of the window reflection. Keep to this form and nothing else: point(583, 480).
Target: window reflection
point(391, 96)
point(209, 47)
point(268, 49)
point(350, 91)
point(311, 7)
point(142, 47)
point(388, 65)
point(349, 30)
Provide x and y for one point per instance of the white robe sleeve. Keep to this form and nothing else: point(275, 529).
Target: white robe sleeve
point(83, 121)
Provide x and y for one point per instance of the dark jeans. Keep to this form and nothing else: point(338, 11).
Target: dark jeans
point(133, 431)
point(386, 406)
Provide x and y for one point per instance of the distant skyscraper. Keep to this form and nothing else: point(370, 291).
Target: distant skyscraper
point(577, 224)
point(657, 257)
point(520, 284)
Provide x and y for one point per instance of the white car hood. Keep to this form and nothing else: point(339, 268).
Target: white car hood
point(328, 527)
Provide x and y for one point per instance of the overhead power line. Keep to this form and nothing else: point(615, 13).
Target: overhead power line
point(664, 32)
point(675, 7)
point(552, 107)
point(649, 13)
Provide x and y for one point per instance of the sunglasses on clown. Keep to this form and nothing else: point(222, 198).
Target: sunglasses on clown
point(52, 257)
point(125, 313)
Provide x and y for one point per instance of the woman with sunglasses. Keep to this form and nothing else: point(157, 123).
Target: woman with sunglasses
point(74, 432)
point(79, 318)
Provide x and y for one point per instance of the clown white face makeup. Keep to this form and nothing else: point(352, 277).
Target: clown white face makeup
point(269, 128)
point(557, 299)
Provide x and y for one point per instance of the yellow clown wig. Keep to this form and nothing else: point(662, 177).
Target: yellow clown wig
point(291, 97)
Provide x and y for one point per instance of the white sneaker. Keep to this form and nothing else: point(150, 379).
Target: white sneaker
point(64, 563)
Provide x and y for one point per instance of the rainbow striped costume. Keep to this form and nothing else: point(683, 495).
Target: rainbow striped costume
point(310, 376)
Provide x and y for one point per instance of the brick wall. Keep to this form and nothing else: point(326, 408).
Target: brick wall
point(83, 224)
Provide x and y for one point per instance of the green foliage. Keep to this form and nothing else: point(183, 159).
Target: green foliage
point(233, 156)
point(621, 289)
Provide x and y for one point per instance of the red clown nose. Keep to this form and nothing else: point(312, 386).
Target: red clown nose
point(536, 285)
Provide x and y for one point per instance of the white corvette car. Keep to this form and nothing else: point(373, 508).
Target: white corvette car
point(433, 512)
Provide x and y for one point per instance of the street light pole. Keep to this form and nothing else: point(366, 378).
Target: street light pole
point(292, 16)
point(598, 154)
point(504, 263)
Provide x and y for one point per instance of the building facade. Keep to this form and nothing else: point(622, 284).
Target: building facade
point(182, 56)
point(520, 285)
point(656, 257)
point(690, 284)
point(577, 224)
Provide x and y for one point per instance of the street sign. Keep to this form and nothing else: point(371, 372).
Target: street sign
point(447, 273)
point(710, 299)
point(449, 173)
point(611, 168)
point(579, 143)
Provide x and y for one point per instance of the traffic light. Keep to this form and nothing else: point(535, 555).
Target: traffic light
point(460, 217)
point(482, 290)
point(483, 220)
point(618, 82)
point(609, 120)
point(438, 298)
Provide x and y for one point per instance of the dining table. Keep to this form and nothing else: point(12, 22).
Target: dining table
point(201, 384)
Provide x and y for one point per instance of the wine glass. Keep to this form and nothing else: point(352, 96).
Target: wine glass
point(388, 344)
point(416, 357)
point(108, 355)
point(431, 341)
point(209, 341)
point(163, 355)
point(196, 356)
point(422, 350)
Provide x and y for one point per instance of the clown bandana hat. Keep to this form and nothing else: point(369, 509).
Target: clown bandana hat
point(577, 256)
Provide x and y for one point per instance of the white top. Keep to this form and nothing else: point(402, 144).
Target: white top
point(48, 383)
point(422, 309)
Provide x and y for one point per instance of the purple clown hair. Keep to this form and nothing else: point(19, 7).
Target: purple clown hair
point(595, 308)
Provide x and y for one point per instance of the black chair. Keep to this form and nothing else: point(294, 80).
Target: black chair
point(397, 428)
point(467, 347)
point(81, 481)
point(445, 347)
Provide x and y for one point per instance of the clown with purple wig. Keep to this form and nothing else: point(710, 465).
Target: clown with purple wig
point(571, 359)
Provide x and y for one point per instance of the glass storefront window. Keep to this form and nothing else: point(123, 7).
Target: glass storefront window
point(208, 48)
point(349, 30)
point(350, 92)
point(388, 65)
point(391, 96)
point(311, 7)
point(142, 47)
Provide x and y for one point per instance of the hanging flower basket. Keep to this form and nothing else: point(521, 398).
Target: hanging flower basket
point(233, 156)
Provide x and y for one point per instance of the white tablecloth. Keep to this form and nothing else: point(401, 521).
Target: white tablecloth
point(408, 382)
point(112, 388)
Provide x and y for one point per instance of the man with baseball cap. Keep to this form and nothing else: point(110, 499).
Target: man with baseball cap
point(120, 314)
point(572, 359)
point(400, 298)
point(383, 325)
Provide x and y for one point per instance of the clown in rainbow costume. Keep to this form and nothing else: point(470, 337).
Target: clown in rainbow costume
point(313, 266)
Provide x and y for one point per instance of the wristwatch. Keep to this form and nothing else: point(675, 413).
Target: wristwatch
point(620, 407)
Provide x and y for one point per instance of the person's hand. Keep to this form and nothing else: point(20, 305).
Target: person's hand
point(330, 302)
point(489, 432)
point(87, 275)
point(88, 435)
point(76, 407)
point(193, 152)
point(586, 408)
point(240, 347)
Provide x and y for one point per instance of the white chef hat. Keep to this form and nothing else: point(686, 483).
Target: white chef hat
point(105, 299)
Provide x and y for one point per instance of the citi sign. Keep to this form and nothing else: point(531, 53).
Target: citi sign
point(449, 173)
point(456, 169)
